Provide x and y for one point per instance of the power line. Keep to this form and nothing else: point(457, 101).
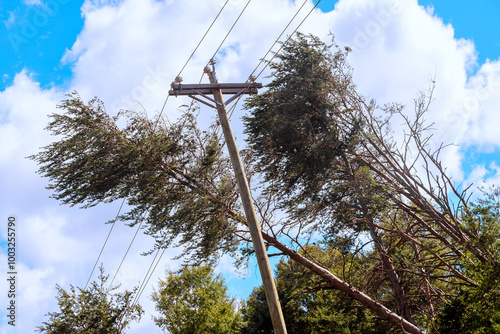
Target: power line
point(156, 124)
point(229, 32)
point(203, 37)
point(192, 54)
point(146, 278)
point(105, 242)
point(277, 39)
point(149, 273)
point(289, 37)
point(151, 269)
point(126, 253)
point(227, 35)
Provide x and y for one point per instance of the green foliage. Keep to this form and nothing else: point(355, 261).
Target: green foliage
point(289, 126)
point(303, 130)
point(308, 305)
point(482, 219)
point(195, 300)
point(474, 310)
point(173, 176)
point(96, 310)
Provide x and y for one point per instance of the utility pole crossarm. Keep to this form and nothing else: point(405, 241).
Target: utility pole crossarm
point(225, 88)
point(237, 89)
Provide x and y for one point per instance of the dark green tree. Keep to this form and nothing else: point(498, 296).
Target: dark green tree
point(96, 310)
point(310, 305)
point(290, 123)
point(474, 310)
point(195, 300)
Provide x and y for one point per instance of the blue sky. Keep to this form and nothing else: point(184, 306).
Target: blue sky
point(473, 20)
point(37, 39)
point(40, 38)
point(128, 51)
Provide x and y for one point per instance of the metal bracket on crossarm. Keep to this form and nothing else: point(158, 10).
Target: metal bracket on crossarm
point(202, 90)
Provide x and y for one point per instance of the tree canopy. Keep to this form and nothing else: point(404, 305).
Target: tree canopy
point(329, 169)
point(96, 310)
point(169, 174)
point(195, 300)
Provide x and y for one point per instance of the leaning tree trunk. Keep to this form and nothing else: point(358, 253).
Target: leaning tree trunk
point(393, 275)
point(334, 281)
point(345, 287)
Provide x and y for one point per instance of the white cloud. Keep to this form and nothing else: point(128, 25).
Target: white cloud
point(10, 20)
point(32, 2)
point(482, 104)
point(132, 49)
point(22, 116)
point(403, 49)
point(55, 245)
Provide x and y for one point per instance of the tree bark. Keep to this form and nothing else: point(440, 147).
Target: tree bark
point(393, 275)
point(324, 273)
point(338, 284)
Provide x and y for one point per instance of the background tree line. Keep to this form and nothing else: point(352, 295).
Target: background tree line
point(374, 235)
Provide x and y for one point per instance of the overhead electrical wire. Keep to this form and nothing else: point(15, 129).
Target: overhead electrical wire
point(126, 253)
point(103, 246)
point(153, 266)
point(276, 41)
point(231, 29)
point(261, 60)
point(283, 44)
point(224, 40)
point(151, 269)
point(156, 124)
point(191, 56)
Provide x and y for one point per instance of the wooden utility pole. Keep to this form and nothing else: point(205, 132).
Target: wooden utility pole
point(238, 89)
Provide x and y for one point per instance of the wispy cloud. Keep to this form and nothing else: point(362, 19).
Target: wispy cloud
point(11, 20)
point(33, 2)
